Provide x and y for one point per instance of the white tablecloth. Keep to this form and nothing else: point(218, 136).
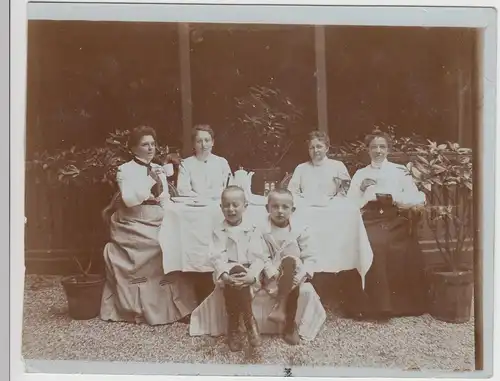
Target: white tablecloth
point(338, 228)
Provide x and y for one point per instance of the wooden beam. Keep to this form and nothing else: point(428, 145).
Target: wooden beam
point(321, 85)
point(186, 96)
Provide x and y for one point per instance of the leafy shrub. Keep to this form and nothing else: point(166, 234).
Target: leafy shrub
point(91, 165)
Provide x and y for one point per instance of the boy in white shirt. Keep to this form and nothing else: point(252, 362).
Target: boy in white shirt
point(293, 260)
point(237, 254)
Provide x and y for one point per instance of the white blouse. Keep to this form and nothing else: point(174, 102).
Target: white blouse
point(135, 184)
point(203, 178)
point(391, 178)
point(318, 180)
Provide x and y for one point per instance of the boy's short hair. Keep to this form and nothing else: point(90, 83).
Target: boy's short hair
point(280, 191)
point(233, 188)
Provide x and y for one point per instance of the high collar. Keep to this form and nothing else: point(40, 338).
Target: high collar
point(269, 225)
point(203, 160)
point(244, 225)
point(379, 165)
point(142, 162)
point(320, 163)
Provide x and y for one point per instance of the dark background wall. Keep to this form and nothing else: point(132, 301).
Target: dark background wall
point(408, 77)
point(86, 79)
point(227, 60)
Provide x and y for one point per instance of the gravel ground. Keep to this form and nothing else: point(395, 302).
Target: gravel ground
point(416, 343)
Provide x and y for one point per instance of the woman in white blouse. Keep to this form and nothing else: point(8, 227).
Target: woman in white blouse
point(136, 289)
point(203, 174)
point(320, 178)
point(384, 192)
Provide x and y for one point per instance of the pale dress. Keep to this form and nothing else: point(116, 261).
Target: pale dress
point(318, 181)
point(136, 289)
point(203, 178)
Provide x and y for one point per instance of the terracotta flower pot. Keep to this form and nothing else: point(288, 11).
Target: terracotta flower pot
point(450, 294)
point(83, 294)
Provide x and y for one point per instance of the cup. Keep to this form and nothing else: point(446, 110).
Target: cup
point(169, 169)
point(384, 198)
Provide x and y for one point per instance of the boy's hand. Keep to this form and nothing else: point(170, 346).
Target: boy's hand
point(242, 280)
point(299, 277)
point(272, 273)
point(226, 278)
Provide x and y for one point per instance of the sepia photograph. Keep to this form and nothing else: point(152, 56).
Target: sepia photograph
point(254, 193)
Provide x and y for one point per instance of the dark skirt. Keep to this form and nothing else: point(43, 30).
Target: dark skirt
point(395, 284)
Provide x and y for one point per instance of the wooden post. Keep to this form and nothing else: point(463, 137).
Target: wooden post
point(465, 83)
point(186, 98)
point(465, 106)
point(478, 177)
point(461, 103)
point(321, 85)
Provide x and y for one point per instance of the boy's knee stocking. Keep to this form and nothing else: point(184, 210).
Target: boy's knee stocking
point(231, 304)
point(285, 283)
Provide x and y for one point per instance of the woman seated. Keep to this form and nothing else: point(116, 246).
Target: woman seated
point(385, 191)
point(203, 174)
point(320, 178)
point(136, 289)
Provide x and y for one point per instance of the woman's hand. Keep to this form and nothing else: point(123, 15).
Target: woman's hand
point(367, 183)
point(155, 174)
point(173, 158)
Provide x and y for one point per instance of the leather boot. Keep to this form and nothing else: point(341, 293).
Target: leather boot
point(252, 331)
point(233, 320)
point(248, 318)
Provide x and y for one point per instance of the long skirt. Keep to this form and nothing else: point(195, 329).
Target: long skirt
point(136, 288)
point(395, 283)
point(210, 317)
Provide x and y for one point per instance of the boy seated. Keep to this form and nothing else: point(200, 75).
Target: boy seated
point(241, 259)
point(237, 254)
point(287, 275)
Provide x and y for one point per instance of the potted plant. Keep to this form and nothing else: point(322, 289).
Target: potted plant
point(444, 173)
point(83, 292)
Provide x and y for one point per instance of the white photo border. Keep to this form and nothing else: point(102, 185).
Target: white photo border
point(421, 13)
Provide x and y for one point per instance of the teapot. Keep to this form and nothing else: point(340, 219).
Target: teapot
point(243, 179)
